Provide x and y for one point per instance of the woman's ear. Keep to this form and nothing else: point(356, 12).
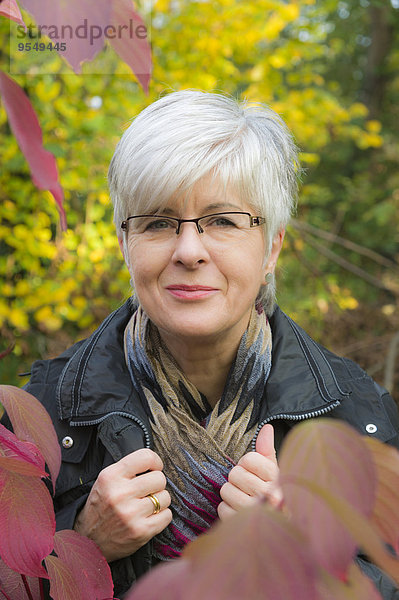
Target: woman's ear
point(275, 252)
point(122, 247)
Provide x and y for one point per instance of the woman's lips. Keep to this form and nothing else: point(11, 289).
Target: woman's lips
point(190, 292)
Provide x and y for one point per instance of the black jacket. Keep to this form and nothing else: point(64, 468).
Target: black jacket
point(88, 393)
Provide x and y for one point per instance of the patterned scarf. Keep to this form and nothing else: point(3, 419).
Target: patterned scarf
point(197, 444)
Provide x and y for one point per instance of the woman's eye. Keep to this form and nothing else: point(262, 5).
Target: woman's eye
point(222, 222)
point(159, 224)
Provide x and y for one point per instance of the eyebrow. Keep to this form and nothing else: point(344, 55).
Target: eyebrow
point(213, 206)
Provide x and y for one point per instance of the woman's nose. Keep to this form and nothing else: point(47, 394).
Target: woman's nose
point(190, 247)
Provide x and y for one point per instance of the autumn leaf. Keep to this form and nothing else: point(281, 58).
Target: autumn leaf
point(10, 9)
point(84, 19)
point(86, 563)
point(25, 126)
point(136, 51)
point(167, 581)
point(332, 455)
point(63, 585)
point(84, 28)
point(29, 419)
point(20, 457)
point(11, 583)
point(27, 523)
point(357, 586)
point(255, 554)
point(385, 513)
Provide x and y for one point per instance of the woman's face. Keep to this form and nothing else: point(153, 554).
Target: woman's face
point(195, 287)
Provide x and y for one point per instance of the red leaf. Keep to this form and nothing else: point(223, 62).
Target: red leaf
point(359, 527)
point(385, 514)
point(20, 457)
point(167, 582)
point(11, 583)
point(358, 586)
point(32, 423)
point(80, 39)
point(27, 523)
point(134, 51)
point(115, 20)
point(86, 563)
point(335, 457)
point(256, 554)
point(63, 585)
point(10, 9)
point(26, 128)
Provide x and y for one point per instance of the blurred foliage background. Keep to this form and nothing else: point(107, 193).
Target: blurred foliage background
point(330, 68)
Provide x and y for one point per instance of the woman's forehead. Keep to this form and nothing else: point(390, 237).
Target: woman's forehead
point(207, 195)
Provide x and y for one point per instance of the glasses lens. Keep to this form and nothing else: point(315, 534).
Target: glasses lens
point(153, 226)
point(219, 226)
point(225, 225)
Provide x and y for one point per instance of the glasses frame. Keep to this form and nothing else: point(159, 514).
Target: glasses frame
point(254, 221)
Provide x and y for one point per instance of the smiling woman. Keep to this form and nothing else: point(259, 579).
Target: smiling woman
point(176, 407)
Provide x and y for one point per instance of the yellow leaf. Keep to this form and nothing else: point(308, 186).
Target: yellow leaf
point(309, 157)
point(18, 318)
point(46, 317)
point(373, 126)
point(289, 12)
point(349, 303)
point(103, 198)
point(358, 110)
point(80, 302)
point(274, 25)
point(278, 61)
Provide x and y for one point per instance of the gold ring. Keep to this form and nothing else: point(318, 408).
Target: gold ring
point(156, 503)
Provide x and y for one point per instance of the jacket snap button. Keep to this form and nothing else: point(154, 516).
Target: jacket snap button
point(371, 428)
point(67, 442)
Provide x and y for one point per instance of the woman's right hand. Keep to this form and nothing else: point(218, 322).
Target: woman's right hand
point(118, 515)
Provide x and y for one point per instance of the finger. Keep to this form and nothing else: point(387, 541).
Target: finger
point(238, 498)
point(259, 465)
point(247, 482)
point(225, 511)
point(156, 523)
point(265, 442)
point(147, 483)
point(149, 507)
point(137, 463)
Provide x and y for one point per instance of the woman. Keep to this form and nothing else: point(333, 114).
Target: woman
point(164, 412)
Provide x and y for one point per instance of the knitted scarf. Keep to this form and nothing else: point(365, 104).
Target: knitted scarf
point(197, 444)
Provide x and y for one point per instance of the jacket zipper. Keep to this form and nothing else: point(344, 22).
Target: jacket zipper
point(291, 417)
point(121, 414)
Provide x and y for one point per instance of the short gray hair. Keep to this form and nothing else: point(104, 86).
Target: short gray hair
point(187, 135)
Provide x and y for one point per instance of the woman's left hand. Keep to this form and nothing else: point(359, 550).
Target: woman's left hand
point(253, 478)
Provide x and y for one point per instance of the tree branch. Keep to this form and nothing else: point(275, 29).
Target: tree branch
point(348, 266)
point(336, 239)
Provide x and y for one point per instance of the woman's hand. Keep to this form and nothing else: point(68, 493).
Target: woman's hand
point(118, 515)
point(254, 477)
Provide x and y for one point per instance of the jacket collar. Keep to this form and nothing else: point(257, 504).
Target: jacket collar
point(95, 382)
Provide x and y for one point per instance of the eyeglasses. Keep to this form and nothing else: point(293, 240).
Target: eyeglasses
point(219, 226)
